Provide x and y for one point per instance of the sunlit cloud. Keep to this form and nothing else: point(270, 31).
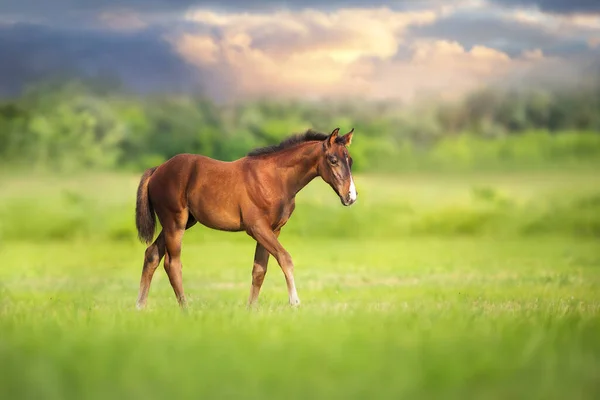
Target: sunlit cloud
point(345, 52)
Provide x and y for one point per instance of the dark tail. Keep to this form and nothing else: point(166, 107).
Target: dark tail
point(145, 221)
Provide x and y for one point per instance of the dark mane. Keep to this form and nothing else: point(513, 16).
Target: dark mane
point(288, 142)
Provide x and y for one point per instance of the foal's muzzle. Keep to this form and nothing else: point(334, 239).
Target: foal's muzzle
point(349, 199)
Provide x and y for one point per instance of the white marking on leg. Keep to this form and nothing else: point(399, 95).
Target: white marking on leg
point(293, 296)
point(352, 189)
point(294, 299)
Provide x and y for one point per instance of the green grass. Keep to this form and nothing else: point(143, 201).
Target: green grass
point(397, 302)
point(101, 207)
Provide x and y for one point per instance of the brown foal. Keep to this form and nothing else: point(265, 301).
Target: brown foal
point(255, 194)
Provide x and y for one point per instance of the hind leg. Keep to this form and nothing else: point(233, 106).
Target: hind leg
point(259, 270)
point(154, 253)
point(173, 238)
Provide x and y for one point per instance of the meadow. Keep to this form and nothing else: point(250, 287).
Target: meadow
point(447, 285)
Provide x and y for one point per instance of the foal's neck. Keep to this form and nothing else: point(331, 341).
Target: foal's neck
point(299, 166)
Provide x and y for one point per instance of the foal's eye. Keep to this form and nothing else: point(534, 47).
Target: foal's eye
point(333, 160)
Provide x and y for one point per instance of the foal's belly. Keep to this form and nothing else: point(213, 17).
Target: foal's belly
point(222, 215)
point(213, 194)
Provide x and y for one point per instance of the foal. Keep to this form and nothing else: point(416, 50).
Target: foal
point(255, 194)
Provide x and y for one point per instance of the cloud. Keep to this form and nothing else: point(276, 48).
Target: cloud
point(352, 52)
point(345, 33)
point(513, 30)
point(447, 69)
point(503, 34)
point(556, 23)
point(556, 6)
point(570, 33)
point(299, 52)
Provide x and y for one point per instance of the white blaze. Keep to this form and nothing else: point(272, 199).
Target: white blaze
point(352, 189)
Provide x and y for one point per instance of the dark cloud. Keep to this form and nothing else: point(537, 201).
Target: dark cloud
point(61, 8)
point(509, 36)
point(141, 60)
point(556, 6)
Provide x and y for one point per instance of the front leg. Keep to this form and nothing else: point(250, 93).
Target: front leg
point(265, 236)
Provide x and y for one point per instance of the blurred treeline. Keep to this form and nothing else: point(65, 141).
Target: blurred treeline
point(70, 125)
point(90, 126)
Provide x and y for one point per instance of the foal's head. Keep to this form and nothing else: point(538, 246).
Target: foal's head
point(336, 164)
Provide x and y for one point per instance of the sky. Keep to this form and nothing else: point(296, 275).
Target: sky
point(303, 49)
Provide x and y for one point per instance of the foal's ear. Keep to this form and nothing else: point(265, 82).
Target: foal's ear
point(331, 139)
point(347, 138)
